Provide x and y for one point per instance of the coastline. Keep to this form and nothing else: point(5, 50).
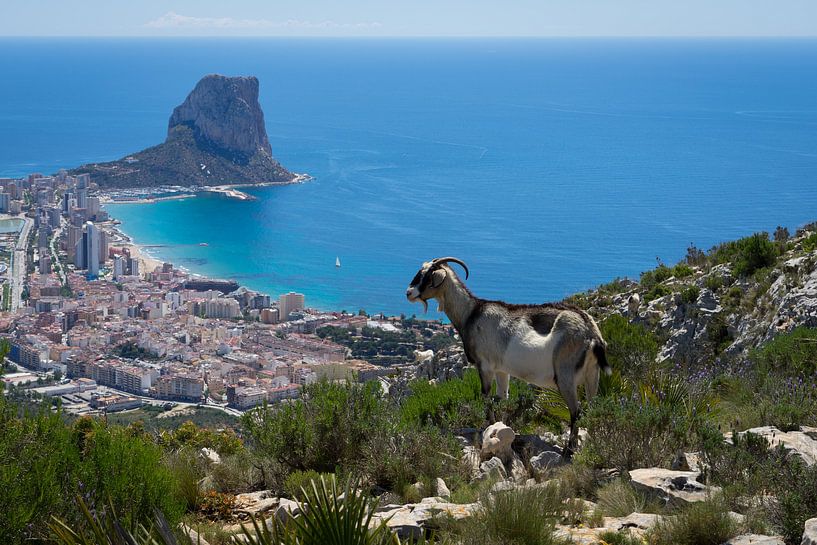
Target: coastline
point(232, 191)
point(147, 263)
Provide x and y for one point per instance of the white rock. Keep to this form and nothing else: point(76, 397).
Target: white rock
point(673, 487)
point(546, 460)
point(441, 488)
point(255, 503)
point(210, 456)
point(471, 458)
point(518, 471)
point(287, 509)
point(496, 441)
point(803, 442)
point(755, 539)
point(640, 521)
point(493, 468)
point(810, 532)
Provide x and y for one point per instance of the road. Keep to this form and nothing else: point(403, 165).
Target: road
point(17, 276)
point(55, 256)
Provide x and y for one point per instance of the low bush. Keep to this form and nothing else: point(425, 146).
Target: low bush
point(690, 295)
point(702, 523)
point(631, 348)
point(650, 279)
point(657, 292)
point(646, 427)
point(749, 469)
point(714, 282)
point(350, 428)
point(299, 481)
point(619, 538)
point(188, 434)
point(618, 498)
point(794, 353)
point(747, 254)
point(459, 403)
point(810, 243)
point(46, 465)
point(523, 516)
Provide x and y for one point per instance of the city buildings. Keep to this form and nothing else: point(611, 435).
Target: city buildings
point(87, 250)
point(288, 303)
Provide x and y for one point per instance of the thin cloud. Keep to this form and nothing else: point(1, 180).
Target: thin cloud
point(173, 20)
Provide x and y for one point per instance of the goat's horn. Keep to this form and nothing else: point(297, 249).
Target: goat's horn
point(440, 260)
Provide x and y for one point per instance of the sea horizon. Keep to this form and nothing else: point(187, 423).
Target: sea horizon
point(550, 165)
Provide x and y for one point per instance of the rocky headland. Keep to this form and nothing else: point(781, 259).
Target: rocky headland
point(215, 137)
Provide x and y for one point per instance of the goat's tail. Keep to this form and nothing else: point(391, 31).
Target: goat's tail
point(600, 352)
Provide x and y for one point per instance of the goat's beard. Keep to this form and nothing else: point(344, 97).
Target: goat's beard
point(425, 306)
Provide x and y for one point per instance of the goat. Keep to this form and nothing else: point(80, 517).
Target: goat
point(633, 303)
point(551, 345)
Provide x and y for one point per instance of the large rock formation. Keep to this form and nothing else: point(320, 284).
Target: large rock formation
point(215, 137)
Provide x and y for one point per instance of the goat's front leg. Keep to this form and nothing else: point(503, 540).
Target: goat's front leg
point(503, 382)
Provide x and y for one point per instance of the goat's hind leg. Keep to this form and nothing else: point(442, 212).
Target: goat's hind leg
point(486, 379)
point(571, 397)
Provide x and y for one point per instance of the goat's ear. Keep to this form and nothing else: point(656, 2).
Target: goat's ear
point(438, 277)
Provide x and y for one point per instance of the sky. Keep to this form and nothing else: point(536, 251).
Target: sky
point(408, 18)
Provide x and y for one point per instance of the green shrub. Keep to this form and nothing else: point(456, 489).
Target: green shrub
point(690, 295)
point(749, 468)
point(651, 279)
point(810, 243)
point(578, 481)
point(239, 473)
point(631, 348)
point(794, 353)
point(714, 282)
point(657, 292)
point(351, 428)
point(787, 402)
point(647, 426)
point(128, 471)
point(459, 403)
point(393, 457)
point(298, 481)
point(701, 523)
point(321, 431)
point(618, 498)
point(188, 434)
point(718, 335)
point(619, 285)
point(619, 538)
point(682, 270)
point(35, 473)
point(747, 254)
point(46, 464)
point(523, 516)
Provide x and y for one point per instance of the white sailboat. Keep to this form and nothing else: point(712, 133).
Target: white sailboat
point(337, 261)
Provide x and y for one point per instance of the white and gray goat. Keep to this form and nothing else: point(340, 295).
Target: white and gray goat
point(551, 345)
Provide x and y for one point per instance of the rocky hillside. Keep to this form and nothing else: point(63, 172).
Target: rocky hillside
point(216, 136)
point(724, 302)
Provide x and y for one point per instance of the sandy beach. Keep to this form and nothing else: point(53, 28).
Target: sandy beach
point(118, 238)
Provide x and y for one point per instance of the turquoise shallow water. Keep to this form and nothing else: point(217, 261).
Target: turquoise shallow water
point(548, 165)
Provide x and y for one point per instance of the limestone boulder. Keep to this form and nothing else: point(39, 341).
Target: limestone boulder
point(492, 469)
point(671, 487)
point(803, 443)
point(810, 532)
point(255, 503)
point(497, 440)
point(755, 539)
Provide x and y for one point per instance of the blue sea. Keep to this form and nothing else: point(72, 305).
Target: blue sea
point(549, 165)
